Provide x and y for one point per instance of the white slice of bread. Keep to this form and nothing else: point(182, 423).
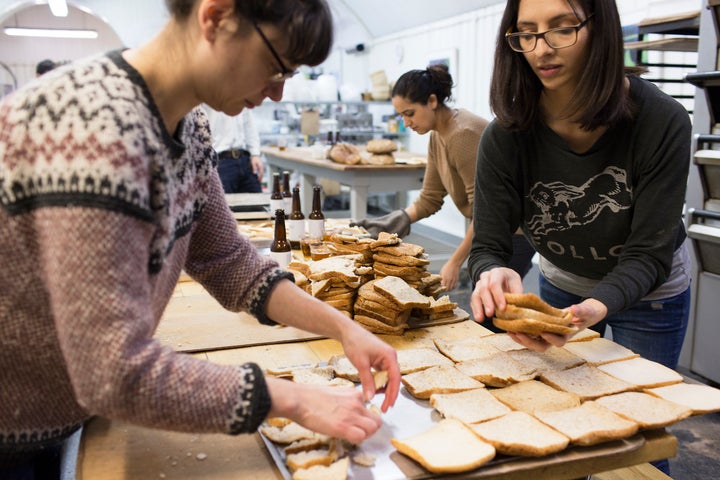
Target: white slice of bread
point(533, 396)
point(470, 406)
point(319, 376)
point(308, 458)
point(306, 444)
point(416, 359)
point(335, 471)
point(644, 409)
point(497, 370)
point(600, 350)
point(502, 341)
point(520, 434)
point(642, 373)
point(589, 424)
point(586, 381)
point(465, 348)
point(550, 360)
point(447, 447)
point(440, 379)
point(699, 398)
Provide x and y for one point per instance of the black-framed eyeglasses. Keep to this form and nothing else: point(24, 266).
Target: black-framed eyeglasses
point(285, 73)
point(561, 37)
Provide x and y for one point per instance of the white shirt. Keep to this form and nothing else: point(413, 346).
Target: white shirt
point(233, 132)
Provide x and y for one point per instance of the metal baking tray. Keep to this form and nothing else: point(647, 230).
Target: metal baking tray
point(411, 416)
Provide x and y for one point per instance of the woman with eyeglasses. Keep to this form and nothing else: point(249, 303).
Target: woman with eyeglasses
point(591, 161)
point(108, 190)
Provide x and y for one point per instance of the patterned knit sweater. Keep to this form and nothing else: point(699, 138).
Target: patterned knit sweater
point(101, 210)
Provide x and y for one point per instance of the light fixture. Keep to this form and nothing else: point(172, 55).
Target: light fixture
point(50, 32)
point(59, 8)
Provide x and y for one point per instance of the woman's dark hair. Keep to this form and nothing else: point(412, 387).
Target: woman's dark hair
point(600, 98)
point(307, 24)
point(418, 85)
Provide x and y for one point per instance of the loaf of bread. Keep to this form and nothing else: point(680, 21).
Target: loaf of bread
point(379, 159)
point(381, 145)
point(345, 153)
point(447, 447)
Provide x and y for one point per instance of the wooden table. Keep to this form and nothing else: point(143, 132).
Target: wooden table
point(361, 179)
point(113, 450)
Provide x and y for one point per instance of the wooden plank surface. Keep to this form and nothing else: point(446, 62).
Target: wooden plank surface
point(194, 321)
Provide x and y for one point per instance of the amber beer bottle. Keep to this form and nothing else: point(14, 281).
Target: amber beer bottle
point(296, 221)
point(316, 219)
point(286, 193)
point(280, 247)
point(276, 198)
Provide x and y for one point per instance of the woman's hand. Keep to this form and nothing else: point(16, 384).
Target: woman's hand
point(335, 411)
point(365, 350)
point(489, 293)
point(585, 314)
point(449, 275)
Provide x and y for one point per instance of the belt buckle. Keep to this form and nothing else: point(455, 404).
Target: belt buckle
point(235, 153)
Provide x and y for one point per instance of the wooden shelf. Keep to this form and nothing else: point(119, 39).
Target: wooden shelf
point(674, 44)
point(680, 24)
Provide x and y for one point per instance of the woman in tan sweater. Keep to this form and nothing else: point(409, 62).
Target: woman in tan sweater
point(419, 96)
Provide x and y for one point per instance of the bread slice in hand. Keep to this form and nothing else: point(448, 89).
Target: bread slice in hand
point(644, 409)
point(527, 313)
point(700, 398)
point(447, 447)
point(589, 424)
point(533, 396)
point(470, 406)
point(521, 434)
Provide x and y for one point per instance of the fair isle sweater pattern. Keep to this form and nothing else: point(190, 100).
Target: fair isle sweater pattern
point(84, 142)
point(91, 136)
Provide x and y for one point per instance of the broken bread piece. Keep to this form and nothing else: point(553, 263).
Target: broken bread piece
point(335, 471)
point(448, 447)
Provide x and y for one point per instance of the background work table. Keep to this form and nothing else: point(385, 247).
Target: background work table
point(361, 179)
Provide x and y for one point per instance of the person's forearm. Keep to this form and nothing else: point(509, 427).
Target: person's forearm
point(412, 213)
point(289, 305)
point(462, 252)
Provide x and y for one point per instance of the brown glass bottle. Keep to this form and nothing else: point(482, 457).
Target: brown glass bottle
point(276, 198)
point(280, 247)
point(316, 219)
point(286, 193)
point(296, 221)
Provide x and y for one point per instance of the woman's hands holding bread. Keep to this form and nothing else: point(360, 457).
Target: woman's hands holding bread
point(339, 412)
point(526, 318)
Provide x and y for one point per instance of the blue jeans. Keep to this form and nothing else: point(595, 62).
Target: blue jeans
point(236, 173)
point(653, 329)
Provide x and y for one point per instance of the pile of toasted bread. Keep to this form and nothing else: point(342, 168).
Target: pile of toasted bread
point(379, 283)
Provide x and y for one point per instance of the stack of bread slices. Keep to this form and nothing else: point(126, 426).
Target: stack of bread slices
point(384, 305)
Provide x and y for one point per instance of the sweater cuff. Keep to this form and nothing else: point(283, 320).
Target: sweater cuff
point(613, 299)
point(257, 306)
point(253, 401)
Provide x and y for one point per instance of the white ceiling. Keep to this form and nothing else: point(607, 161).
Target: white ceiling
point(383, 17)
